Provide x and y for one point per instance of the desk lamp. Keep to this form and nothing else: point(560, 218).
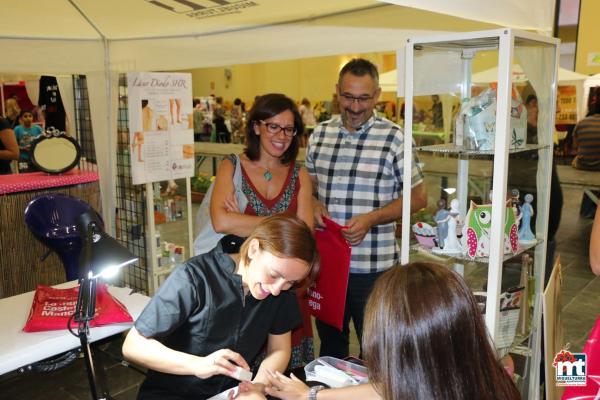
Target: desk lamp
point(101, 256)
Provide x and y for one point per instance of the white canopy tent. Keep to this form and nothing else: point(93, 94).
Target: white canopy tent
point(388, 80)
point(582, 83)
point(101, 39)
point(565, 78)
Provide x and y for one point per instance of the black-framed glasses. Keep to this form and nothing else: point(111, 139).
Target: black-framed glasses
point(274, 128)
point(348, 98)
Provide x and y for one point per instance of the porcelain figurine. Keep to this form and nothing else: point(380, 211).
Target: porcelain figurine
point(476, 233)
point(525, 232)
point(441, 218)
point(451, 243)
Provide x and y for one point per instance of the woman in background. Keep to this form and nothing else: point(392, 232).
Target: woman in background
point(237, 120)
point(9, 149)
point(12, 111)
point(308, 118)
point(273, 184)
point(424, 338)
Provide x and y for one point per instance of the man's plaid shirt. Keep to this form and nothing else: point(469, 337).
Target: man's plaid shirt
point(359, 172)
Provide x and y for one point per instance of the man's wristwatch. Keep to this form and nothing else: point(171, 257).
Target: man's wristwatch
point(312, 393)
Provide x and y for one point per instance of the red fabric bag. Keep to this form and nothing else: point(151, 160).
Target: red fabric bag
point(327, 298)
point(52, 308)
point(591, 349)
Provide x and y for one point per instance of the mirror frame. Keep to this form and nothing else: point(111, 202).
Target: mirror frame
point(50, 136)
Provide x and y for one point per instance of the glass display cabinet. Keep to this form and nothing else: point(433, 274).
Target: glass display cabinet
point(496, 166)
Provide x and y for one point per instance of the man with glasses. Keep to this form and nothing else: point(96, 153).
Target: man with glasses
point(355, 163)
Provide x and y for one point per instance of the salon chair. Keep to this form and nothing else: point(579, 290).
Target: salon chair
point(52, 218)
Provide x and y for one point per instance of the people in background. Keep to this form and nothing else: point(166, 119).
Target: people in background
point(237, 120)
point(273, 183)
point(424, 338)
point(25, 133)
point(437, 116)
point(356, 164)
point(12, 111)
point(586, 141)
point(308, 118)
point(223, 133)
point(215, 312)
point(522, 174)
point(531, 105)
point(200, 133)
point(307, 114)
point(9, 148)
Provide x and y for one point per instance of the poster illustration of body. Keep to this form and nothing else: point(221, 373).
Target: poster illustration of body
point(160, 126)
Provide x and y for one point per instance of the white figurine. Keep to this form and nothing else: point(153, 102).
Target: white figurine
point(451, 244)
point(441, 218)
point(525, 233)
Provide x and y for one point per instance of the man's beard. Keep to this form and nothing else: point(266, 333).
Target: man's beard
point(349, 122)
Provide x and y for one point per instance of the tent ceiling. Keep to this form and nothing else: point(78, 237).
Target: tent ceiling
point(119, 19)
point(64, 36)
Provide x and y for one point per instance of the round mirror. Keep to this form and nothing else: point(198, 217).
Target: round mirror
point(55, 154)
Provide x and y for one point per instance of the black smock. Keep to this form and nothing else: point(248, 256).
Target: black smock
point(200, 309)
point(4, 164)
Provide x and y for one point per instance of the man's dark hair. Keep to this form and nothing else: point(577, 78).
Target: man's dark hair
point(360, 67)
point(25, 111)
point(530, 98)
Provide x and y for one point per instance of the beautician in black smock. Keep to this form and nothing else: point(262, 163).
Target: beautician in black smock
point(216, 312)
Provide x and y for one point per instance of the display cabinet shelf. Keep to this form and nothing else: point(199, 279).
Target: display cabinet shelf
point(463, 257)
point(451, 148)
point(443, 66)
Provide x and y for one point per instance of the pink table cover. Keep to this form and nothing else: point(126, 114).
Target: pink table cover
point(40, 180)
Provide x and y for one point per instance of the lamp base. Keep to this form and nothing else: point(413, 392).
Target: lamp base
point(96, 378)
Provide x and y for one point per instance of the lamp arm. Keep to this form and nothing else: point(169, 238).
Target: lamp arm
point(86, 299)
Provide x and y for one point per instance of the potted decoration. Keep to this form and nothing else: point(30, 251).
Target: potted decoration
point(199, 185)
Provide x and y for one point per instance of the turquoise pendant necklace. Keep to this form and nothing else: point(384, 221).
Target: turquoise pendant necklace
point(268, 176)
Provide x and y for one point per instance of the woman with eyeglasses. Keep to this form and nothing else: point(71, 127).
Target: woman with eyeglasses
point(273, 183)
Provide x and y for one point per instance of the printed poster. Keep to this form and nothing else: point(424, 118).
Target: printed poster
point(567, 105)
point(161, 131)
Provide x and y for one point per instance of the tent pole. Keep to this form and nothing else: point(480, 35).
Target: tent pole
point(108, 209)
point(110, 213)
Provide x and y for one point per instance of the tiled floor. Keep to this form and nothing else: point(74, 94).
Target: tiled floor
point(580, 307)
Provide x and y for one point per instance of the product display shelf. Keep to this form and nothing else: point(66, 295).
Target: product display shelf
point(475, 275)
point(456, 55)
point(463, 257)
point(453, 149)
point(175, 227)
